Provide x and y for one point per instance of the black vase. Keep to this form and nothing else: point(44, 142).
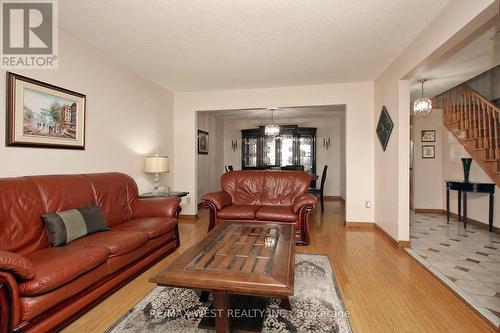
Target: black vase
point(466, 162)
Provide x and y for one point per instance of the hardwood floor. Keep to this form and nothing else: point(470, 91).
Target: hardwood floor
point(383, 288)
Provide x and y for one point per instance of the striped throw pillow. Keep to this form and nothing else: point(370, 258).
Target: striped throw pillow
point(66, 226)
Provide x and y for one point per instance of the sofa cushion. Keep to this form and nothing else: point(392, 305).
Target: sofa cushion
point(56, 266)
point(117, 242)
point(238, 212)
point(276, 213)
point(153, 226)
point(66, 226)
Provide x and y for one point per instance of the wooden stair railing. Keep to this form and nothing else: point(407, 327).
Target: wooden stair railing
point(474, 121)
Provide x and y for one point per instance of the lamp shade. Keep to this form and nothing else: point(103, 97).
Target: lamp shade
point(156, 164)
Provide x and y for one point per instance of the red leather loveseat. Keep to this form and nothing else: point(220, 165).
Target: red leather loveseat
point(43, 288)
point(264, 196)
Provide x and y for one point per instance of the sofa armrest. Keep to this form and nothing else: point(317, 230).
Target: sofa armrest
point(156, 207)
point(305, 199)
point(17, 265)
point(10, 302)
point(218, 199)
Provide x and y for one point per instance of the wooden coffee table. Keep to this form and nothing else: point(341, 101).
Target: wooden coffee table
point(237, 258)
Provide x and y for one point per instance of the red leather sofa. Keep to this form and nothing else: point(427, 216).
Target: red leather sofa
point(264, 196)
point(43, 288)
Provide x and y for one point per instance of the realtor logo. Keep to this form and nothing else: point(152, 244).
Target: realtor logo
point(29, 34)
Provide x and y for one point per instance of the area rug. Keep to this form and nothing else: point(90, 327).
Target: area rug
point(316, 306)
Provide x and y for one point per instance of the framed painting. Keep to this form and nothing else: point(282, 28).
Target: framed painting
point(428, 152)
point(384, 127)
point(43, 115)
point(428, 136)
point(202, 142)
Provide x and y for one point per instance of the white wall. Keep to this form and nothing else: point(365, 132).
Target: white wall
point(358, 98)
point(128, 118)
point(458, 20)
point(327, 127)
point(429, 184)
point(211, 166)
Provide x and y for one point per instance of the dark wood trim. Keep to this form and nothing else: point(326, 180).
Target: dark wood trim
point(28, 325)
point(6, 300)
point(304, 214)
point(213, 210)
point(10, 101)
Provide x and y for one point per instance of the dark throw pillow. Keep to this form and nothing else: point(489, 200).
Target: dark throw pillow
point(64, 227)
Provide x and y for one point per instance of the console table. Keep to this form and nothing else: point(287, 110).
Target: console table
point(469, 187)
point(163, 195)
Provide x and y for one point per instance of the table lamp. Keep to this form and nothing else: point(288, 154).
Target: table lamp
point(156, 164)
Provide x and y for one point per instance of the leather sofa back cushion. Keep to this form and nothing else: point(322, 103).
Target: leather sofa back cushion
point(21, 229)
point(115, 193)
point(64, 227)
point(24, 199)
point(64, 192)
point(265, 187)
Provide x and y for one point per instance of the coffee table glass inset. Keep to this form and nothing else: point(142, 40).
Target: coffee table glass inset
point(240, 248)
point(236, 258)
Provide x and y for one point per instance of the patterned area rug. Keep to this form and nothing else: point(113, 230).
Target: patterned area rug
point(316, 306)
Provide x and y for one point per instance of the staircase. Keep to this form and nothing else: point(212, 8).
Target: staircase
point(474, 121)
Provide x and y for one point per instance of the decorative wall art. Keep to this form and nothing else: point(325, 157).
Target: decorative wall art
point(42, 115)
point(428, 136)
point(384, 127)
point(202, 142)
point(428, 151)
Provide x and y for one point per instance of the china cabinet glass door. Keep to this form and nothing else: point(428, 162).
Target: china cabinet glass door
point(249, 152)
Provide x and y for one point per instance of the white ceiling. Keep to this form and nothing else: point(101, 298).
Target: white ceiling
point(475, 55)
point(281, 113)
point(229, 44)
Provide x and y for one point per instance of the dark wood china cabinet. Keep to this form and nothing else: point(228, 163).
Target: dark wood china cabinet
point(293, 146)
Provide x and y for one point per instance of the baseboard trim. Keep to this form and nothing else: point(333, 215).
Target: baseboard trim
point(430, 211)
point(370, 226)
point(475, 223)
point(470, 221)
point(359, 225)
point(188, 217)
point(332, 198)
point(391, 240)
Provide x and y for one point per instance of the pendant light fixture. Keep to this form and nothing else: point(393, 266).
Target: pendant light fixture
point(272, 129)
point(422, 106)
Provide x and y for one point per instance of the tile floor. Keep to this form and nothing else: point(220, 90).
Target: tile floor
point(470, 257)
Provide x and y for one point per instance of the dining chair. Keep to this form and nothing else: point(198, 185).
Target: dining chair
point(320, 191)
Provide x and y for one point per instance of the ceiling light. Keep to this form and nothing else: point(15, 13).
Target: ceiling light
point(422, 106)
point(272, 129)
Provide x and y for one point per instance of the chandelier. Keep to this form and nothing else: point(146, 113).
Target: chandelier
point(422, 106)
point(272, 129)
